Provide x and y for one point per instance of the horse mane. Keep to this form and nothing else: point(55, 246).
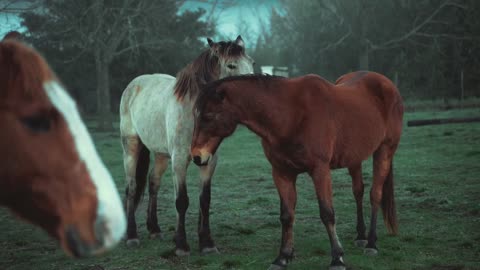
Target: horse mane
point(204, 69)
point(22, 70)
point(209, 91)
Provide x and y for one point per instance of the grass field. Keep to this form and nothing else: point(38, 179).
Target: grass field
point(437, 178)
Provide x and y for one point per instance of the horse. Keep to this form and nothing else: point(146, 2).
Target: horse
point(50, 172)
point(308, 124)
point(156, 116)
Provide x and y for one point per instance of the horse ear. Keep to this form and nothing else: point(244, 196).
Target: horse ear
point(239, 41)
point(211, 43)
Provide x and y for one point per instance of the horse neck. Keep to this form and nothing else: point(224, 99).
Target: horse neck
point(264, 111)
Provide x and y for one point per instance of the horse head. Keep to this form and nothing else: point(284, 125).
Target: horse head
point(50, 172)
point(232, 58)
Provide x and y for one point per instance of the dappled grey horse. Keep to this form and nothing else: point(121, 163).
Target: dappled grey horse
point(156, 116)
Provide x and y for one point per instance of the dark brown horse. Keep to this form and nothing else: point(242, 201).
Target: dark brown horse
point(310, 125)
point(50, 172)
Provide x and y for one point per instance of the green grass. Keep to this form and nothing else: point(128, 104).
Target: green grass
point(437, 178)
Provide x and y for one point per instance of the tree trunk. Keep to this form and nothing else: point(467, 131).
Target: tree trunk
point(103, 93)
point(363, 57)
point(363, 33)
point(462, 89)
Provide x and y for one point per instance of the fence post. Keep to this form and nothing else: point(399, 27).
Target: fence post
point(462, 89)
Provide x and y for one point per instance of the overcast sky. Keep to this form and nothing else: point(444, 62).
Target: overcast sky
point(244, 17)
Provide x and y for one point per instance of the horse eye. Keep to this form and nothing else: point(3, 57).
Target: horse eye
point(208, 116)
point(230, 66)
point(37, 123)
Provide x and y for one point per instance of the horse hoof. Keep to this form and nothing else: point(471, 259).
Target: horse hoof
point(370, 251)
point(276, 267)
point(210, 250)
point(337, 267)
point(133, 242)
point(182, 253)
point(361, 243)
point(156, 236)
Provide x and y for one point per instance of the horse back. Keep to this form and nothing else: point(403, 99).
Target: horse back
point(144, 105)
point(361, 111)
point(375, 89)
point(374, 93)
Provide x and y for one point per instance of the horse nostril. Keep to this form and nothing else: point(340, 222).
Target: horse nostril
point(101, 231)
point(197, 160)
point(75, 243)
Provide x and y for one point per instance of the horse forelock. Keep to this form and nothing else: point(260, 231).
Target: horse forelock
point(230, 49)
point(23, 71)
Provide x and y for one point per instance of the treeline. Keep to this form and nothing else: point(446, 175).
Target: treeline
point(98, 46)
point(425, 45)
point(431, 48)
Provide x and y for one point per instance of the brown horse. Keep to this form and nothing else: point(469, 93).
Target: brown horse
point(50, 172)
point(310, 125)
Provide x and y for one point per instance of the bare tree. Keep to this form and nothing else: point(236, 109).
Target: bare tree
point(106, 30)
point(353, 22)
point(354, 14)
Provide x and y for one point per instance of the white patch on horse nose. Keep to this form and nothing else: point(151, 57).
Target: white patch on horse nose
point(109, 227)
point(109, 210)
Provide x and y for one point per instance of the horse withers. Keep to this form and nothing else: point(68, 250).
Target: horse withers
point(156, 116)
point(309, 125)
point(50, 172)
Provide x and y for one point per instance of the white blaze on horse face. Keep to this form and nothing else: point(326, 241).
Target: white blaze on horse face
point(110, 213)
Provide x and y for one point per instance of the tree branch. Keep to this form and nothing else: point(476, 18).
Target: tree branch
point(448, 36)
point(336, 43)
point(144, 44)
point(416, 29)
point(12, 6)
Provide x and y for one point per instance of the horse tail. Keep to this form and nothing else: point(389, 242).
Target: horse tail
point(141, 173)
point(388, 203)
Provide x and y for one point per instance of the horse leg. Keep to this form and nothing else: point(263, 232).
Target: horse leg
point(323, 188)
point(382, 159)
point(180, 165)
point(160, 165)
point(357, 188)
point(285, 183)
point(205, 239)
point(135, 161)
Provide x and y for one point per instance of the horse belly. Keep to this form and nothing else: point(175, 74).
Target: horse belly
point(358, 139)
point(352, 157)
point(289, 156)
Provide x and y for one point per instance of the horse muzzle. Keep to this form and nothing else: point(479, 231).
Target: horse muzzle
point(78, 247)
point(104, 239)
point(202, 158)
